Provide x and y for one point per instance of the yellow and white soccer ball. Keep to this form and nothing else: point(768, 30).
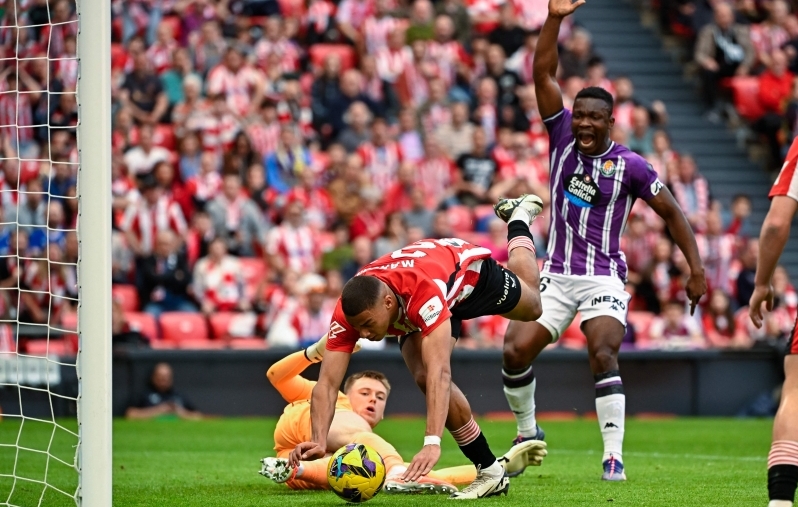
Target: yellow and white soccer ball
point(356, 473)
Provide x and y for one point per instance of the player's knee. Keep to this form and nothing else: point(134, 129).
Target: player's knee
point(603, 359)
point(512, 355)
point(421, 380)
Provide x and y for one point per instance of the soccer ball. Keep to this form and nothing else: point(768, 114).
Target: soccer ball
point(356, 473)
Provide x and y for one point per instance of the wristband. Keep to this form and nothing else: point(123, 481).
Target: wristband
point(432, 440)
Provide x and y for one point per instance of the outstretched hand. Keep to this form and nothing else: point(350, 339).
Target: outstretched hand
point(762, 294)
point(422, 463)
point(562, 8)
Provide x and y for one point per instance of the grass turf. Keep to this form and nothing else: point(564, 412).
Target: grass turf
point(681, 462)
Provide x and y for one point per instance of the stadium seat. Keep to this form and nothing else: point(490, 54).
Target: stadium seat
point(254, 343)
point(292, 8)
point(220, 324)
point(319, 53)
point(198, 344)
point(745, 90)
point(41, 348)
point(641, 322)
point(127, 296)
point(118, 56)
point(162, 345)
point(69, 322)
point(460, 219)
point(144, 323)
point(179, 326)
point(253, 270)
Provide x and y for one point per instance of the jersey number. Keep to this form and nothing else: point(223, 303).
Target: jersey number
point(544, 283)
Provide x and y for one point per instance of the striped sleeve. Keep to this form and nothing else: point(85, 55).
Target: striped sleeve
point(787, 182)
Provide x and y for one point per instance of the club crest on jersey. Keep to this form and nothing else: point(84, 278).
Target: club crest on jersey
point(582, 190)
point(431, 310)
point(607, 168)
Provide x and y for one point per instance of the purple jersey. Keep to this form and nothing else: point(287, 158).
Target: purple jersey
point(590, 201)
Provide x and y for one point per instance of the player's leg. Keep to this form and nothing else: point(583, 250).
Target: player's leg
point(284, 375)
point(459, 476)
point(308, 475)
point(783, 457)
point(604, 336)
point(491, 479)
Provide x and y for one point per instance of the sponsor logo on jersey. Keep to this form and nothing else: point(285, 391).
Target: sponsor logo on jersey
point(335, 329)
point(582, 191)
point(431, 310)
point(615, 303)
point(608, 168)
point(656, 187)
point(508, 282)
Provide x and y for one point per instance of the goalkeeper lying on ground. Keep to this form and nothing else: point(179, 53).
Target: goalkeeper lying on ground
point(358, 410)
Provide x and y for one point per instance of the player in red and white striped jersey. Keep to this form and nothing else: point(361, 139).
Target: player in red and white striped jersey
point(783, 457)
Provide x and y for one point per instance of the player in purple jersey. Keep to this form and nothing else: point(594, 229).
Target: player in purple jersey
point(594, 183)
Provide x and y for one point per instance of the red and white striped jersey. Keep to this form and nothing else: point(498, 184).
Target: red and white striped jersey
point(521, 63)
point(238, 87)
point(392, 63)
point(219, 283)
point(204, 187)
point(216, 134)
point(160, 56)
point(446, 55)
point(376, 31)
point(295, 245)
point(145, 221)
point(434, 176)
point(319, 15)
point(52, 36)
point(66, 69)
point(787, 182)
point(310, 326)
point(531, 13)
point(354, 12)
point(437, 116)
point(46, 285)
point(717, 252)
point(15, 112)
point(381, 163)
point(287, 51)
point(264, 138)
point(428, 277)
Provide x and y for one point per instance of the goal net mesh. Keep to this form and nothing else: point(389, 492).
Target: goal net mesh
point(39, 440)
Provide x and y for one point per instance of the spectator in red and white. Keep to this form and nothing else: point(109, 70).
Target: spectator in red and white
point(785, 295)
point(163, 277)
point(66, 67)
point(496, 240)
point(433, 174)
point(312, 317)
point(412, 87)
point(737, 222)
point(376, 89)
point(398, 198)
point(508, 34)
point(521, 61)
point(152, 213)
point(292, 245)
point(236, 218)
point(691, 191)
point(275, 42)
point(395, 57)
point(639, 244)
point(775, 89)
point(142, 158)
point(362, 254)
point(717, 252)
point(351, 17)
point(319, 211)
point(122, 186)
point(524, 167)
point(318, 22)
point(381, 156)
point(436, 111)
point(43, 288)
point(240, 83)
point(218, 285)
point(675, 329)
point(204, 186)
point(173, 78)
point(720, 325)
point(286, 164)
point(357, 132)
point(142, 92)
point(240, 157)
point(31, 214)
point(484, 15)
point(264, 132)
point(771, 34)
point(63, 22)
point(160, 52)
point(409, 138)
point(293, 108)
point(189, 156)
point(597, 75)
point(15, 112)
point(65, 114)
point(662, 155)
point(377, 27)
point(369, 221)
point(577, 54)
point(190, 111)
point(641, 136)
point(218, 128)
point(507, 82)
point(446, 50)
point(208, 46)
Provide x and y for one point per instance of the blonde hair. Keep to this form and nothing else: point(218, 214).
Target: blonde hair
point(350, 381)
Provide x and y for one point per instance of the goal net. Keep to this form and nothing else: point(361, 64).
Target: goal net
point(54, 262)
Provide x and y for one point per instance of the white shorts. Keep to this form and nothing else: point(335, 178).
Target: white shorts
point(592, 296)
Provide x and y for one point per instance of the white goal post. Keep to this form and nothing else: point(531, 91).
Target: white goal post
point(94, 264)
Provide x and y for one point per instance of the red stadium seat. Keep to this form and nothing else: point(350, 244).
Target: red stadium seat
point(460, 218)
point(41, 348)
point(144, 323)
point(118, 56)
point(179, 326)
point(745, 90)
point(127, 296)
point(320, 52)
point(162, 345)
point(220, 324)
point(641, 322)
point(254, 343)
point(164, 135)
point(292, 8)
point(197, 344)
point(253, 270)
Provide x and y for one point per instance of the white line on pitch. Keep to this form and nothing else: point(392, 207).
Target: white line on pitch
point(708, 457)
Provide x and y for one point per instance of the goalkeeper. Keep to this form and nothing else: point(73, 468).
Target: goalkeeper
point(357, 411)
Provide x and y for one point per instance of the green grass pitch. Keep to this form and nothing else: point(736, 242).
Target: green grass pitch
point(680, 462)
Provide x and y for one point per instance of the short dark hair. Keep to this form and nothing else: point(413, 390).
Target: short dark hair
point(595, 92)
point(359, 294)
point(367, 374)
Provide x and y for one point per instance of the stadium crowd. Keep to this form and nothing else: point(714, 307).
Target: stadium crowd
point(264, 151)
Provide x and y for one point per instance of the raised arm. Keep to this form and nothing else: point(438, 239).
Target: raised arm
point(544, 70)
point(322, 406)
point(665, 206)
point(774, 235)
